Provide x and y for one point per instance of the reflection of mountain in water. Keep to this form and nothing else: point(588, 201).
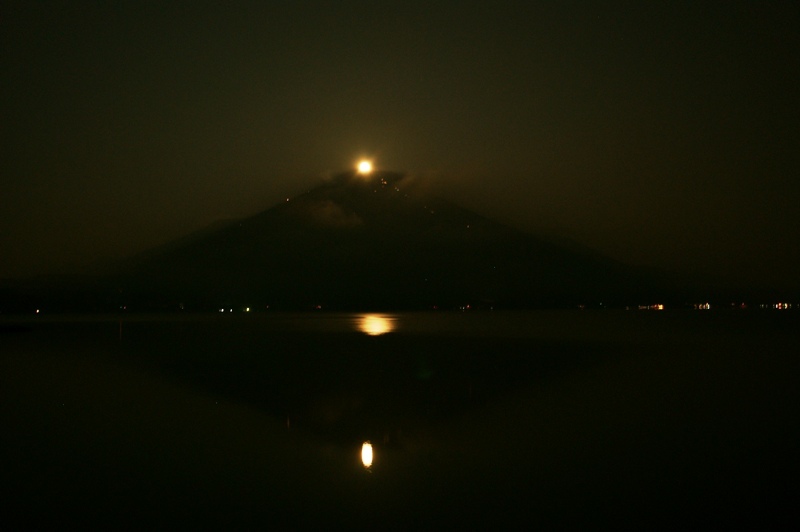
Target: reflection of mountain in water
point(374, 242)
point(559, 419)
point(333, 378)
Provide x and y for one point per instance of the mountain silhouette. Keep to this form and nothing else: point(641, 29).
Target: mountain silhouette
point(381, 241)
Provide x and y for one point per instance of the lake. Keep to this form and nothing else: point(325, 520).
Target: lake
point(477, 419)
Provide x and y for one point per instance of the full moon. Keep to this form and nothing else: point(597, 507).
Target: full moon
point(364, 167)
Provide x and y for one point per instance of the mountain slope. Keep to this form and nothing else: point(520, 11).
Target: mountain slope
point(380, 241)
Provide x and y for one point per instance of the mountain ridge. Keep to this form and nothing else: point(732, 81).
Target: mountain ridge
point(377, 242)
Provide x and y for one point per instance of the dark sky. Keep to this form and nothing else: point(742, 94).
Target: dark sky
point(662, 133)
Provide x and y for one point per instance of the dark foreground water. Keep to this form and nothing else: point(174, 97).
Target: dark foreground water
point(564, 418)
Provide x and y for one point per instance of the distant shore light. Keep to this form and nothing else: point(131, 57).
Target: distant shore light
point(364, 167)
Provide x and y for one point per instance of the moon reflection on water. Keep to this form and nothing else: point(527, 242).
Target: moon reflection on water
point(366, 454)
point(375, 324)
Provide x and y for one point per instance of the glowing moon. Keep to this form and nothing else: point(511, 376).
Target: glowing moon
point(364, 167)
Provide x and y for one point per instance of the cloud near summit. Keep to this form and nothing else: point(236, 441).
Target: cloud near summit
point(331, 214)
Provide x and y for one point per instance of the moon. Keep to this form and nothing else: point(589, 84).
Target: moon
point(364, 167)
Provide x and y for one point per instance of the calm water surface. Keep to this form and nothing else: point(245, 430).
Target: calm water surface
point(553, 418)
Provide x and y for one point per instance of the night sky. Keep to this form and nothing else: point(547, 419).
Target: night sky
point(659, 133)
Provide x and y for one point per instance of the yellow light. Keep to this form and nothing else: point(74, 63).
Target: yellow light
point(375, 324)
point(364, 167)
point(366, 454)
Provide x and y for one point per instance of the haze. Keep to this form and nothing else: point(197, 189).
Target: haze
point(658, 134)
